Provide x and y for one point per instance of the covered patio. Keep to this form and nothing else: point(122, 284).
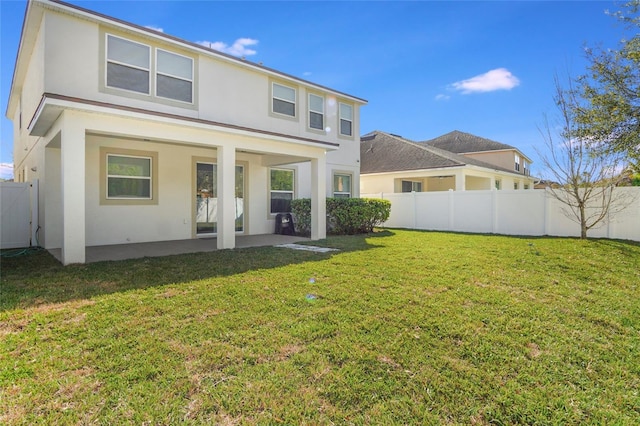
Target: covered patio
point(168, 248)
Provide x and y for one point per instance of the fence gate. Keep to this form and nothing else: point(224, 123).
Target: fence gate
point(18, 214)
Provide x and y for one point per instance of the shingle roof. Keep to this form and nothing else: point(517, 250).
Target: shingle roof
point(385, 152)
point(460, 142)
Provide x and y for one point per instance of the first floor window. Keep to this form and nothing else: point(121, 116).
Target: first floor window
point(281, 190)
point(346, 119)
point(498, 184)
point(411, 186)
point(515, 185)
point(129, 177)
point(342, 186)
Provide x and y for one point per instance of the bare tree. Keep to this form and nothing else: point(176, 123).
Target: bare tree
point(586, 174)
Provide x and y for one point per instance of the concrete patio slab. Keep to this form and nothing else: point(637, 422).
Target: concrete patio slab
point(168, 248)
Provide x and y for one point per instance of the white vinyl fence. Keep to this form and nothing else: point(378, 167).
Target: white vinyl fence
point(525, 212)
point(18, 210)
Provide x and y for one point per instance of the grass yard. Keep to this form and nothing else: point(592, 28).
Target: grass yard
point(407, 327)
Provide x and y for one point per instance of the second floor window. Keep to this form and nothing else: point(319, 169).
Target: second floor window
point(346, 120)
point(517, 163)
point(284, 100)
point(316, 112)
point(174, 76)
point(128, 65)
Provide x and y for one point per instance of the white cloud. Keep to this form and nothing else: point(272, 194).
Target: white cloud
point(307, 73)
point(154, 28)
point(238, 48)
point(442, 97)
point(6, 170)
point(498, 79)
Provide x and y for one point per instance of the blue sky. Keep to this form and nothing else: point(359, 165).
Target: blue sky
point(426, 68)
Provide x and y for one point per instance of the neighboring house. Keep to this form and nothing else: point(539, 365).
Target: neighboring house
point(456, 161)
point(138, 136)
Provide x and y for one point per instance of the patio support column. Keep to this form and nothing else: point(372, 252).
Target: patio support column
point(318, 198)
point(226, 197)
point(72, 175)
point(460, 184)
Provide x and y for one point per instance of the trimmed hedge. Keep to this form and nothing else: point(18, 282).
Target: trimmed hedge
point(345, 216)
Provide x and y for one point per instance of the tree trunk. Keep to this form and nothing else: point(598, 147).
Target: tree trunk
point(583, 224)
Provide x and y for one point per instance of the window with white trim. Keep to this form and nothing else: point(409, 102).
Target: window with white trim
point(346, 119)
point(174, 76)
point(129, 177)
point(283, 100)
point(498, 184)
point(316, 112)
point(128, 65)
point(281, 190)
point(342, 185)
point(516, 185)
point(411, 186)
point(517, 167)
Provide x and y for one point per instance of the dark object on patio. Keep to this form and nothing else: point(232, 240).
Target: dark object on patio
point(284, 224)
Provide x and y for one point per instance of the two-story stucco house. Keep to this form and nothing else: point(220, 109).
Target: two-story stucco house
point(138, 136)
point(456, 161)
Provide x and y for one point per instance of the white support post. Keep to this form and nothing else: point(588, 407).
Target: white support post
point(73, 189)
point(226, 197)
point(318, 198)
point(460, 181)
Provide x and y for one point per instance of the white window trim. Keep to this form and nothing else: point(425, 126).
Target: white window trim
point(322, 129)
point(149, 178)
point(107, 61)
point(413, 183)
point(295, 103)
point(174, 76)
point(340, 104)
point(279, 191)
point(350, 192)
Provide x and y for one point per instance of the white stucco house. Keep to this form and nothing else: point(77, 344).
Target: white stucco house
point(137, 136)
point(455, 161)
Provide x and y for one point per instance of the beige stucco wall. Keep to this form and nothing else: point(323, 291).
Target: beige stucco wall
point(441, 180)
point(225, 91)
point(504, 159)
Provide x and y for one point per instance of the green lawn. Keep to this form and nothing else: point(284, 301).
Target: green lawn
point(407, 328)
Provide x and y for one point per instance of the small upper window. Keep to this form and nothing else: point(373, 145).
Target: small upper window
point(342, 186)
point(129, 177)
point(517, 167)
point(128, 65)
point(411, 186)
point(316, 112)
point(284, 100)
point(346, 120)
point(174, 79)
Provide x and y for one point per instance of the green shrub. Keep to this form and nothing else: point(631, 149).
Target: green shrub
point(345, 216)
